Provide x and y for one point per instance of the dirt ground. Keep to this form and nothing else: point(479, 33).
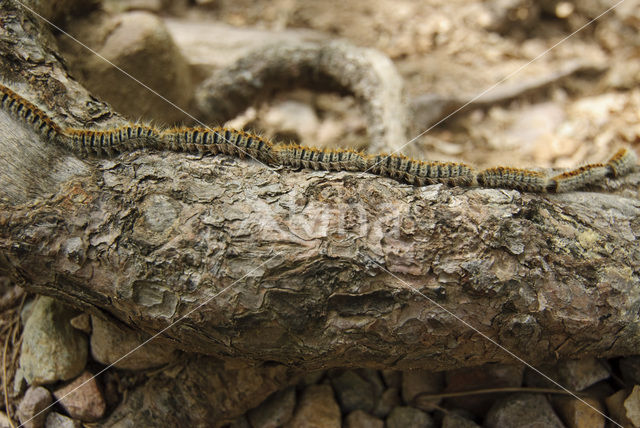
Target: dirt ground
point(462, 48)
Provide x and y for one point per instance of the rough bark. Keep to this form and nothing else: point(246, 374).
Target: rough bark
point(309, 269)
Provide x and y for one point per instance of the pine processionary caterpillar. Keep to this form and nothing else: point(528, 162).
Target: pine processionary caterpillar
point(241, 144)
point(28, 113)
point(577, 178)
point(621, 163)
point(513, 178)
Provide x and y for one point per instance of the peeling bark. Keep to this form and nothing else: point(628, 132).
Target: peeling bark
point(310, 269)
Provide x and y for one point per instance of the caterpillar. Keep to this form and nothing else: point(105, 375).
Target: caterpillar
point(241, 144)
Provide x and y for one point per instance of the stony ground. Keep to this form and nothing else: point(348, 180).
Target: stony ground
point(570, 105)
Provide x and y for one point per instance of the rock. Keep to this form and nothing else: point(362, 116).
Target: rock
point(313, 377)
point(630, 369)
point(19, 383)
point(139, 43)
point(409, 417)
point(82, 322)
point(275, 411)
point(576, 414)
point(317, 409)
point(60, 10)
point(110, 342)
point(375, 381)
point(518, 410)
point(617, 411)
point(483, 377)
point(576, 375)
point(52, 349)
point(360, 419)
point(82, 398)
point(56, 420)
point(392, 378)
point(453, 420)
point(4, 421)
point(241, 422)
point(353, 392)
point(389, 399)
point(415, 382)
point(35, 400)
point(632, 406)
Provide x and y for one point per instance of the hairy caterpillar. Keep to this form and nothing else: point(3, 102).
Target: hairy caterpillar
point(241, 144)
point(28, 113)
point(513, 178)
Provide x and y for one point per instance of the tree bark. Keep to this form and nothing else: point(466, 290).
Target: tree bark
point(309, 269)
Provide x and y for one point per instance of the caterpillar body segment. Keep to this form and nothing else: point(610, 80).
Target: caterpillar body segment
point(28, 113)
point(513, 178)
point(577, 178)
point(111, 141)
point(622, 163)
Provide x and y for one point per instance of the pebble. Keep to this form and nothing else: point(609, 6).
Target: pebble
point(389, 399)
point(35, 400)
point(82, 322)
point(632, 405)
point(275, 411)
point(392, 378)
point(317, 409)
point(56, 420)
point(82, 398)
point(110, 342)
point(360, 419)
point(409, 417)
point(416, 382)
point(483, 377)
point(353, 392)
point(617, 410)
point(576, 414)
point(630, 369)
point(517, 410)
point(52, 349)
point(4, 421)
point(577, 375)
point(139, 43)
point(453, 420)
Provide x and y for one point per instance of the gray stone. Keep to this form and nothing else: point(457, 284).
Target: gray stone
point(392, 378)
point(632, 406)
point(630, 369)
point(35, 400)
point(409, 417)
point(56, 420)
point(453, 420)
point(110, 342)
point(360, 419)
point(82, 398)
point(82, 322)
point(317, 409)
point(518, 410)
point(487, 376)
point(52, 349)
point(139, 43)
point(577, 375)
point(275, 411)
point(416, 382)
point(4, 421)
point(375, 381)
point(354, 393)
point(390, 399)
